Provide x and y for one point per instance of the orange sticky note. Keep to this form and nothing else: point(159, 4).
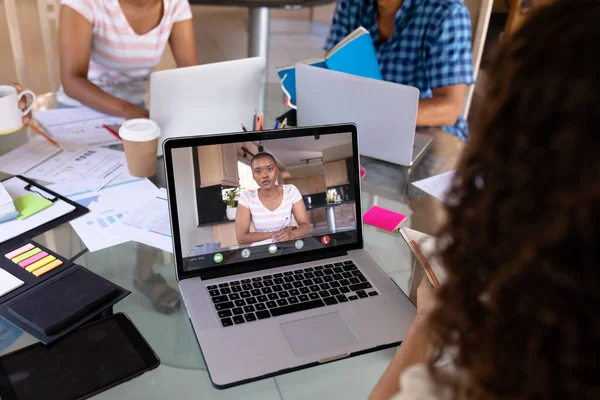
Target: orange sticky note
point(48, 268)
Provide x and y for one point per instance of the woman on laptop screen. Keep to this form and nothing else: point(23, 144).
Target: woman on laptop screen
point(270, 208)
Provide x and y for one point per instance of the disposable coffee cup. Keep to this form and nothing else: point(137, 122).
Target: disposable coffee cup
point(140, 141)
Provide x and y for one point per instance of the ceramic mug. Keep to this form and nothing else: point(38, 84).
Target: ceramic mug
point(11, 116)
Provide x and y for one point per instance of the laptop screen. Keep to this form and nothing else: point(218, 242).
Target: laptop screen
point(257, 199)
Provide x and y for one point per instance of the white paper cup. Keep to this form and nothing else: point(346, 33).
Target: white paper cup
point(140, 141)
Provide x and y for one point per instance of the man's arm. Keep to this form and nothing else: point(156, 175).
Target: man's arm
point(443, 108)
point(449, 69)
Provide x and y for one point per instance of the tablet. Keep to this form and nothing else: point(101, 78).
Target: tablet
point(88, 361)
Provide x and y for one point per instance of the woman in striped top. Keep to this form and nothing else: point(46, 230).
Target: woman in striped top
point(108, 48)
point(270, 208)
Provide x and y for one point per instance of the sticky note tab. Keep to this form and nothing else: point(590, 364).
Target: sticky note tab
point(33, 259)
point(30, 204)
point(363, 172)
point(383, 218)
point(25, 256)
point(19, 251)
point(48, 268)
point(39, 264)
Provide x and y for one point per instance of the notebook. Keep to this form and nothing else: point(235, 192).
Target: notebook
point(7, 206)
point(355, 54)
point(383, 218)
point(423, 247)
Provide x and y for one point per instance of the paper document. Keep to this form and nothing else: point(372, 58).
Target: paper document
point(8, 282)
point(437, 186)
point(149, 224)
point(28, 156)
point(107, 208)
point(7, 205)
point(16, 188)
point(78, 128)
point(91, 169)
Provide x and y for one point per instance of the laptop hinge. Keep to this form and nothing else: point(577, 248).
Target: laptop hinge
point(260, 265)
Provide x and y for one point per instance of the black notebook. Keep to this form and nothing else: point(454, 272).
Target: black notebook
point(56, 305)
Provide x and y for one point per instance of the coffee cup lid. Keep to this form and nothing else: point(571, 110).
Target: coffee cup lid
point(139, 130)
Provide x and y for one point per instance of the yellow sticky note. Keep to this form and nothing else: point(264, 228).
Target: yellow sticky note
point(39, 264)
point(48, 268)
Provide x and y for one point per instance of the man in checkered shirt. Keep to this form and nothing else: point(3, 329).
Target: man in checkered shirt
point(420, 43)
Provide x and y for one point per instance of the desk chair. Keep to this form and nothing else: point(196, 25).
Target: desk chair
point(481, 11)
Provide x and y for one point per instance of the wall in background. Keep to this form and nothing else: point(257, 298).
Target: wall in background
point(185, 191)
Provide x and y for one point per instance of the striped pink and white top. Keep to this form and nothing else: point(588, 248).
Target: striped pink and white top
point(121, 60)
point(265, 220)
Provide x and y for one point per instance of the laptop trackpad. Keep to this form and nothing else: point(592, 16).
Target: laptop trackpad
point(318, 334)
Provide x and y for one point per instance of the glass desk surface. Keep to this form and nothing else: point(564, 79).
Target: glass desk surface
point(182, 371)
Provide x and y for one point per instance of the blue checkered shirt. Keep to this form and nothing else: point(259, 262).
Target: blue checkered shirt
point(430, 47)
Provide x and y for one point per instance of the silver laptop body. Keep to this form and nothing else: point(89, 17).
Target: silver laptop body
point(385, 112)
point(244, 343)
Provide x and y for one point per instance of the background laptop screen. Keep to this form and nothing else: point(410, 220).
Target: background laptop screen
point(314, 180)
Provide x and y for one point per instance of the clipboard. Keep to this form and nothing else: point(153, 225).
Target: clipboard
point(39, 190)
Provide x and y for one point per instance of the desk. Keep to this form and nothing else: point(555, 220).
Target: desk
point(183, 372)
point(258, 22)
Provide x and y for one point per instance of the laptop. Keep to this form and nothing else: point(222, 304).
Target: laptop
point(206, 99)
point(385, 112)
point(268, 308)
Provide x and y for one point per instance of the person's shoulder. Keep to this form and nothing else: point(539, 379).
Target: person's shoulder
point(249, 193)
point(290, 188)
point(444, 8)
point(175, 6)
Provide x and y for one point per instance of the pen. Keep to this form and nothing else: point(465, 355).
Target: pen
point(36, 129)
point(261, 118)
point(254, 121)
point(283, 124)
point(244, 128)
point(112, 131)
point(276, 124)
point(281, 227)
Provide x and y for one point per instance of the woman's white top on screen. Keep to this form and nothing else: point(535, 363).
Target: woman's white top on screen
point(265, 220)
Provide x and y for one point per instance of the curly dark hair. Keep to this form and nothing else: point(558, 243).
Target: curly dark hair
point(522, 302)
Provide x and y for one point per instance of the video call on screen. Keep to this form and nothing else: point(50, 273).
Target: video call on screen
point(315, 174)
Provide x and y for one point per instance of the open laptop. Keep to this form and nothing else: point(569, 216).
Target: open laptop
point(264, 309)
point(385, 112)
point(206, 99)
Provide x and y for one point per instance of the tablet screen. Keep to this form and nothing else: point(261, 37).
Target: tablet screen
point(88, 360)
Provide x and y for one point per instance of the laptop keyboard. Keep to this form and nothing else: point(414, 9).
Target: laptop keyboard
point(267, 296)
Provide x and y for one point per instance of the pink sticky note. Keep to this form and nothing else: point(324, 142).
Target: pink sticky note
point(363, 172)
point(383, 218)
point(31, 260)
point(19, 251)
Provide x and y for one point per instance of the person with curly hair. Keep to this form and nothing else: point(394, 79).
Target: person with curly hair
point(519, 315)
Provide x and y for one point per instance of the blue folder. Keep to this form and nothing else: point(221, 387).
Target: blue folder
point(353, 55)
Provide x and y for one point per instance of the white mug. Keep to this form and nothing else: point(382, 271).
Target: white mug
point(11, 116)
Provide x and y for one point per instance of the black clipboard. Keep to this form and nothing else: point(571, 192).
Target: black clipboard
point(34, 188)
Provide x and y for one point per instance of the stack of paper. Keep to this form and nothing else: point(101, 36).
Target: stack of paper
point(7, 207)
point(78, 128)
